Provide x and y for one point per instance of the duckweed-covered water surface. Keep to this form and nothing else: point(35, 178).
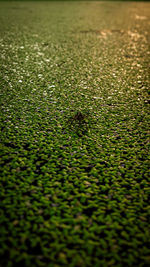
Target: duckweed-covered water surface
point(74, 181)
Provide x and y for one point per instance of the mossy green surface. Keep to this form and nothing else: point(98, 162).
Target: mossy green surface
point(74, 188)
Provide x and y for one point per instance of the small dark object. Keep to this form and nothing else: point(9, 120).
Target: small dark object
point(78, 122)
point(79, 116)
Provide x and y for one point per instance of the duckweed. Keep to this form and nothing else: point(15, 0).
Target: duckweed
point(74, 121)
